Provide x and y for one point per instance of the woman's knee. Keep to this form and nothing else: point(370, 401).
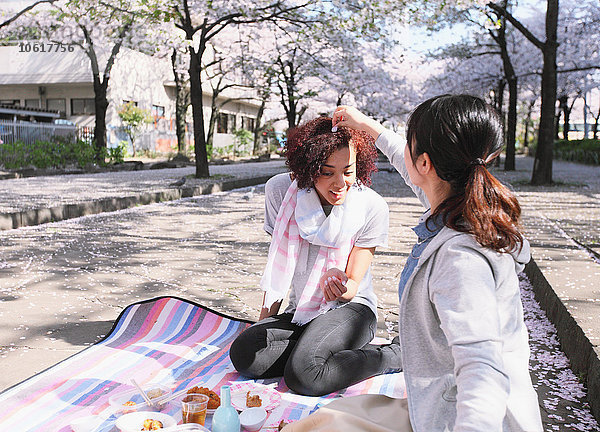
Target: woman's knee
point(304, 377)
point(239, 353)
point(243, 352)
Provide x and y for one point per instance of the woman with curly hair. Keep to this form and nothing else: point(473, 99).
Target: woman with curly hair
point(325, 224)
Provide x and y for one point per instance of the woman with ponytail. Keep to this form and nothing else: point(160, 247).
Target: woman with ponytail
point(463, 340)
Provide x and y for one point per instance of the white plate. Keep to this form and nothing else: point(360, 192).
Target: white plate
point(270, 398)
point(134, 422)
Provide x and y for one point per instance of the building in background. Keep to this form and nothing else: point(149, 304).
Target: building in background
point(61, 82)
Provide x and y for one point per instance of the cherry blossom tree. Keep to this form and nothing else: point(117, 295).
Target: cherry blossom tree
point(517, 60)
point(578, 56)
point(100, 30)
point(166, 41)
point(202, 21)
point(310, 70)
point(542, 166)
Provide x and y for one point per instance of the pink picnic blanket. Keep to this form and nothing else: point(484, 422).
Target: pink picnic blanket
point(167, 341)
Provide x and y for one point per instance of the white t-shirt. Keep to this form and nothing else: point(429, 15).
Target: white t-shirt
point(373, 233)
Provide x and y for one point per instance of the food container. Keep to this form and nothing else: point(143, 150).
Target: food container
point(134, 422)
point(131, 400)
point(252, 419)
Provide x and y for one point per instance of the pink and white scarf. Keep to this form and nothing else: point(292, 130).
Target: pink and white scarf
point(301, 221)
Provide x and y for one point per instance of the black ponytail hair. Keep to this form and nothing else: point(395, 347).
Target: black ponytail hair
point(462, 134)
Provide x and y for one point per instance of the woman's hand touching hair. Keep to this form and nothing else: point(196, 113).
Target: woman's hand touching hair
point(352, 118)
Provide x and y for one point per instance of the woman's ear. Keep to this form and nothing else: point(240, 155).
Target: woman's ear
point(424, 165)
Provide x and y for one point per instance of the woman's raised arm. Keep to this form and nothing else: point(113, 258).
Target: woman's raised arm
point(390, 143)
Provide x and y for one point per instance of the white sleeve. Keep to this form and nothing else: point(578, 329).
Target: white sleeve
point(275, 191)
point(392, 145)
point(375, 231)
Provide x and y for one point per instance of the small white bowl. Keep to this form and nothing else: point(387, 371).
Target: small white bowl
point(86, 424)
point(252, 419)
point(134, 422)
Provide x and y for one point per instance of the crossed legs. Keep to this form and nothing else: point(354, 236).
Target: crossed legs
point(325, 355)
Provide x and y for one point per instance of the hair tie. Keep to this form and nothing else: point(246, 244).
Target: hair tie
point(478, 161)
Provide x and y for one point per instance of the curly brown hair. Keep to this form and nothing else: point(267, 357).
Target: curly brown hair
point(310, 145)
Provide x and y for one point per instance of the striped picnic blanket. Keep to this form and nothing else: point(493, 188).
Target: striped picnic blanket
point(167, 341)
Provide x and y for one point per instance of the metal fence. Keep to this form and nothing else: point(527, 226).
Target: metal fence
point(29, 133)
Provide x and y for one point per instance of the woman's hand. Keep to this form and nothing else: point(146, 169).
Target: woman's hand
point(266, 312)
point(333, 284)
point(351, 117)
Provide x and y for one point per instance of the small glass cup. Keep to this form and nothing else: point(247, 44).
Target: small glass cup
point(193, 408)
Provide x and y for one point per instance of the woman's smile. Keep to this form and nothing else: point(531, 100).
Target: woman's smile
point(338, 174)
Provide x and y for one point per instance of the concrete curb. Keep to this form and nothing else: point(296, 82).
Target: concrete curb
point(573, 341)
point(70, 211)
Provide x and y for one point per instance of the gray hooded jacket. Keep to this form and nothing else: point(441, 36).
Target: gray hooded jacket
point(465, 348)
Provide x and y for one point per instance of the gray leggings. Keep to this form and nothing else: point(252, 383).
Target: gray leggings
point(328, 354)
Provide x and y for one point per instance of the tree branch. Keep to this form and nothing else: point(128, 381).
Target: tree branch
point(577, 69)
point(24, 11)
point(530, 36)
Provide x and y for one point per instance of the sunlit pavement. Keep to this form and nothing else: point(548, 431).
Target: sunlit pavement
point(63, 284)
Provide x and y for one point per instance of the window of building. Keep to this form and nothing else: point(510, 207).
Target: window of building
point(32, 103)
point(226, 123)
point(248, 123)
point(10, 102)
point(158, 111)
point(59, 105)
point(82, 106)
point(125, 102)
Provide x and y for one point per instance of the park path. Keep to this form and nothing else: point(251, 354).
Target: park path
point(63, 284)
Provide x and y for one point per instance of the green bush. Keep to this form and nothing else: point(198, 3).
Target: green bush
point(242, 140)
point(221, 152)
point(585, 151)
point(46, 154)
point(117, 154)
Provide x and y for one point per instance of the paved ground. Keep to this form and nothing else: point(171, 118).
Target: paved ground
point(563, 224)
point(63, 284)
point(50, 191)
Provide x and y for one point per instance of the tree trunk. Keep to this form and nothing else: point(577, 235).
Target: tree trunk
point(526, 132)
point(291, 114)
point(101, 106)
point(182, 101)
point(180, 126)
point(567, 121)
point(511, 79)
point(542, 166)
point(197, 113)
point(258, 128)
point(214, 113)
point(500, 108)
point(527, 123)
point(595, 126)
point(557, 120)
point(511, 130)
point(290, 83)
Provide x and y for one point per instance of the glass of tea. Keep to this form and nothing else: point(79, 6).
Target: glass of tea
point(193, 408)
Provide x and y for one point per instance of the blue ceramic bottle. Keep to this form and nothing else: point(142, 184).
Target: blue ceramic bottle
point(226, 418)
